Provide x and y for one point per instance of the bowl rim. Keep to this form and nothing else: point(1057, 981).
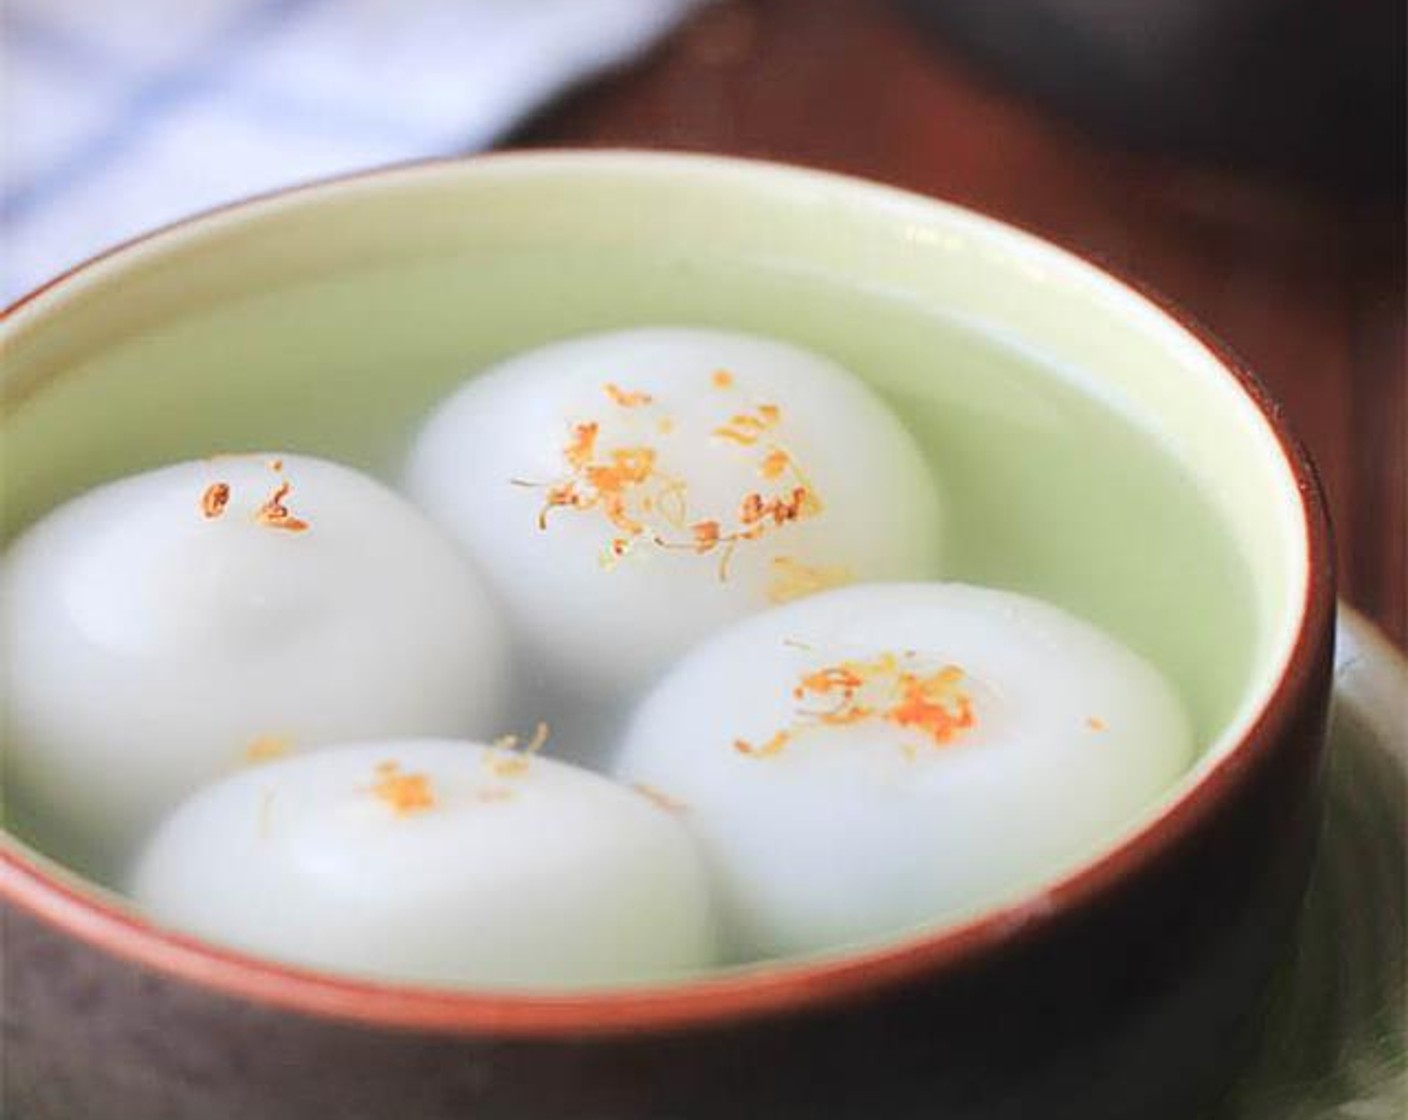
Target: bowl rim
point(60, 899)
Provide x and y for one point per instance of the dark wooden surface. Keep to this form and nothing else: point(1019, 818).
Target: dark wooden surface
point(1309, 290)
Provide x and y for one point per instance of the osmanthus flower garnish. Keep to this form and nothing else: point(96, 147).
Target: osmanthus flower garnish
point(647, 505)
point(214, 499)
point(405, 793)
point(790, 579)
point(272, 513)
point(628, 493)
point(506, 757)
point(267, 748)
point(221, 613)
point(884, 755)
point(934, 706)
point(414, 860)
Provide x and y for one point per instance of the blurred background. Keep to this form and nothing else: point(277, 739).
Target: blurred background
point(1243, 157)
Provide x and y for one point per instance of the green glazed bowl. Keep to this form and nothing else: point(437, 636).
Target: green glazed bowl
point(1091, 449)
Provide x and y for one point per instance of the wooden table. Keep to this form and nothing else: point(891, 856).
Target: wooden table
point(1309, 291)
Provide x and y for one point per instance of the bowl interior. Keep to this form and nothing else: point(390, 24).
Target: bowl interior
point(1089, 450)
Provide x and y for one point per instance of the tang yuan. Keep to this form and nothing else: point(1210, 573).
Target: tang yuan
point(629, 493)
point(879, 757)
point(435, 862)
point(168, 628)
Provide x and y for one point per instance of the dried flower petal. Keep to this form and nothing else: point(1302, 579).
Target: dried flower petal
point(215, 499)
point(626, 399)
point(936, 705)
point(791, 579)
point(404, 793)
point(273, 514)
point(266, 748)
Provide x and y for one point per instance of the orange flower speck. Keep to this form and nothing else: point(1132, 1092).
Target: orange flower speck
point(406, 794)
point(936, 705)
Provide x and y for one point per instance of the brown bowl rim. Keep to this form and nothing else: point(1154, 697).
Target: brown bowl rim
point(750, 992)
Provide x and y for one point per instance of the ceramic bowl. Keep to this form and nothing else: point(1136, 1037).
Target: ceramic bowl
point(1094, 449)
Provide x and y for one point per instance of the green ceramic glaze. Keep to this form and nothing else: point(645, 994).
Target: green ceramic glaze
point(1090, 451)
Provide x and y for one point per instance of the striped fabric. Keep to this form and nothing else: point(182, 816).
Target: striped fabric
point(120, 116)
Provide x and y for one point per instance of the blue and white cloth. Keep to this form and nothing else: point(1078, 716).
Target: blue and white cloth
point(121, 115)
